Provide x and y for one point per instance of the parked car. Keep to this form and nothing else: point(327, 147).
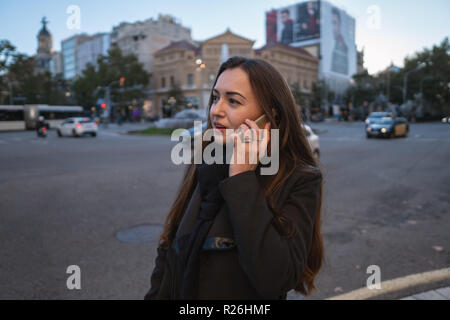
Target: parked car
point(446, 120)
point(374, 116)
point(388, 127)
point(313, 140)
point(77, 127)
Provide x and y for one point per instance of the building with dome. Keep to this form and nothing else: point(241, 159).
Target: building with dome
point(45, 48)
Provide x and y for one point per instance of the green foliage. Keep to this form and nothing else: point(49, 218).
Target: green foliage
point(110, 69)
point(321, 93)
point(176, 92)
point(433, 79)
point(157, 131)
point(18, 77)
point(299, 97)
point(7, 51)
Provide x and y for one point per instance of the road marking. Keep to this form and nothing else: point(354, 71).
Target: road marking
point(396, 285)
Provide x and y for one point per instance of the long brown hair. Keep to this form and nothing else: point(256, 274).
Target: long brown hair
point(271, 91)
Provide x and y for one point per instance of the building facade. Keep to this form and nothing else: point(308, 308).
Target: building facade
point(144, 38)
point(193, 68)
point(69, 51)
point(45, 49)
point(325, 31)
point(91, 49)
point(56, 65)
point(298, 66)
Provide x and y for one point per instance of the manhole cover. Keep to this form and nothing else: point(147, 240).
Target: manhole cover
point(141, 233)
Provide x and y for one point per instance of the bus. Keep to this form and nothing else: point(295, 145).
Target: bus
point(17, 117)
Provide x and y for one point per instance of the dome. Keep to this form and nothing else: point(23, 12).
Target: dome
point(44, 32)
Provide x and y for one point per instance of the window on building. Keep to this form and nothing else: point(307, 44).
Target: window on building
point(305, 84)
point(172, 81)
point(190, 79)
point(163, 82)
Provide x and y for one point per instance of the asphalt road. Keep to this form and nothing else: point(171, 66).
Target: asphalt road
point(99, 203)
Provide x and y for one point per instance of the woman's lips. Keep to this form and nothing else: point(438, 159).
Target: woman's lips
point(220, 129)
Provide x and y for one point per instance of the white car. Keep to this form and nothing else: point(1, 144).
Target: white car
point(313, 140)
point(76, 127)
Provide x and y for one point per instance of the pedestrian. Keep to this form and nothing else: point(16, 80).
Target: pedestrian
point(232, 232)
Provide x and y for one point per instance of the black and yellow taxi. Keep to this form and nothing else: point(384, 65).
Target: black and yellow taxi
point(388, 127)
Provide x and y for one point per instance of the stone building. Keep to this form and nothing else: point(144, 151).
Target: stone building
point(193, 67)
point(45, 49)
point(144, 38)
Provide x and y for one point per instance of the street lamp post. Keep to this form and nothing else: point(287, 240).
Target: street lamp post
point(200, 67)
point(405, 79)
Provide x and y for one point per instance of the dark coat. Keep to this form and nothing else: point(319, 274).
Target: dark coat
point(244, 256)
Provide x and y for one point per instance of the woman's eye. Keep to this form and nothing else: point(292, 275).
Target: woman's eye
point(234, 101)
point(214, 98)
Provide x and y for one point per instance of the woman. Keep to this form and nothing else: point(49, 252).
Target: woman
point(233, 233)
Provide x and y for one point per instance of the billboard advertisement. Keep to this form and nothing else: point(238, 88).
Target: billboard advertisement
point(318, 23)
point(295, 23)
point(338, 41)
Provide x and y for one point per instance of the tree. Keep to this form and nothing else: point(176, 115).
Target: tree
point(299, 96)
point(321, 94)
point(84, 88)
point(176, 93)
point(110, 69)
point(27, 87)
point(434, 78)
point(20, 84)
point(7, 52)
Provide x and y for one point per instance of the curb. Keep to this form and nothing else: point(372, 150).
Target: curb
point(396, 286)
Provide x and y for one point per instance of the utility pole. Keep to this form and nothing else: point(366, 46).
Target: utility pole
point(405, 79)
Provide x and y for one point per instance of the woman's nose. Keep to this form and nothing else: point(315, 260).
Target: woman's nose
point(219, 109)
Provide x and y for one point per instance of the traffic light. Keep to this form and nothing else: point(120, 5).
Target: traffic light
point(122, 81)
point(103, 105)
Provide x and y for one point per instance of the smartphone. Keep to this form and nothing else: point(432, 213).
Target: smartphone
point(261, 121)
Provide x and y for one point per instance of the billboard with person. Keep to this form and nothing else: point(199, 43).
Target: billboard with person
point(294, 23)
point(320, 24)
point(338, 41)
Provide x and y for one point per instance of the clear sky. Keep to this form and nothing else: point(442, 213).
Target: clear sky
point(405, 26)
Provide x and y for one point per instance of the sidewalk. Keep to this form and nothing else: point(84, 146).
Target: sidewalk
point(411, 287)
point(437, 294)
